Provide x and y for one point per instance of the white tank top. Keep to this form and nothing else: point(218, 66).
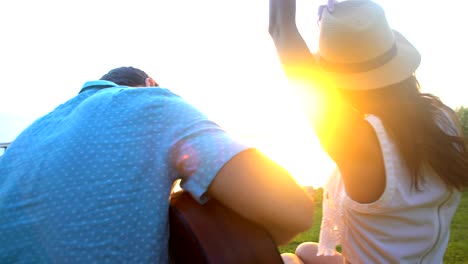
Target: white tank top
point(402, 226)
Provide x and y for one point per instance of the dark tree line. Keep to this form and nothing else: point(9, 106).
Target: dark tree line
point(462, 113)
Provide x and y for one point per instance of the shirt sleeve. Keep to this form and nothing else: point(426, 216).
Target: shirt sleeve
point(200, 150)
point(200, 158)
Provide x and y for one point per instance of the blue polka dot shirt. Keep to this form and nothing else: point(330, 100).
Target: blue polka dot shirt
point(89, 182)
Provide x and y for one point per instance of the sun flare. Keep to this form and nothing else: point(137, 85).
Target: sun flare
point(318, 99)
point(290, 140)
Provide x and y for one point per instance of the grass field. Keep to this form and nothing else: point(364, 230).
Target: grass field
point(457, 251)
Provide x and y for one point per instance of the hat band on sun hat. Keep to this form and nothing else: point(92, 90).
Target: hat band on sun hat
point(359, 66)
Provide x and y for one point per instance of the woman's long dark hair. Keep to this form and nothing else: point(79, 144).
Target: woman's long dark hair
point(413, 121)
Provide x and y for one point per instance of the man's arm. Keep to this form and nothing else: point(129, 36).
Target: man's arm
point(264, 192)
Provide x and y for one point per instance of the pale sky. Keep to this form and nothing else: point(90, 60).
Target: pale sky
point(215, 53)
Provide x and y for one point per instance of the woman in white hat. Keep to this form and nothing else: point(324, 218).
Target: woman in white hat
point(400, 153)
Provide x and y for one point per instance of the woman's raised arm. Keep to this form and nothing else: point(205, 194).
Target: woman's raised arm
point(291, 47)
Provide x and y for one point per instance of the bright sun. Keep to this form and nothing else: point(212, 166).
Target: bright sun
point(288, 138)
point(296, 148)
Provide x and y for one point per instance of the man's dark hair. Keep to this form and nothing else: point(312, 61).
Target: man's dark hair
point(128, 76)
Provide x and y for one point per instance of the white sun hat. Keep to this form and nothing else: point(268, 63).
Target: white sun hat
point(358, 50)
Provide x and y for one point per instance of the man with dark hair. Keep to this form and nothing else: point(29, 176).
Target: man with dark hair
point(90, 181)
point(129, 76)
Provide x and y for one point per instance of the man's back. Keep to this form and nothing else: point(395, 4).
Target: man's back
point(90, 181)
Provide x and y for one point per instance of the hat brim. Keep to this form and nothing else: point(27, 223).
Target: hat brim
point(399, 68)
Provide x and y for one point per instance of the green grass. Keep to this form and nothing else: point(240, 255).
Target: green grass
point(457, 250)
point(313, 233)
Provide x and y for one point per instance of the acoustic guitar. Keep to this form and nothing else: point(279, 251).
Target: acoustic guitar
point(214, 234)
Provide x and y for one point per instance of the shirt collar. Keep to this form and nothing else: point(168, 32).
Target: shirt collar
point(100, 84)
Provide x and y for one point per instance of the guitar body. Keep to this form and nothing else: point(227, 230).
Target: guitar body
point(214, 234)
